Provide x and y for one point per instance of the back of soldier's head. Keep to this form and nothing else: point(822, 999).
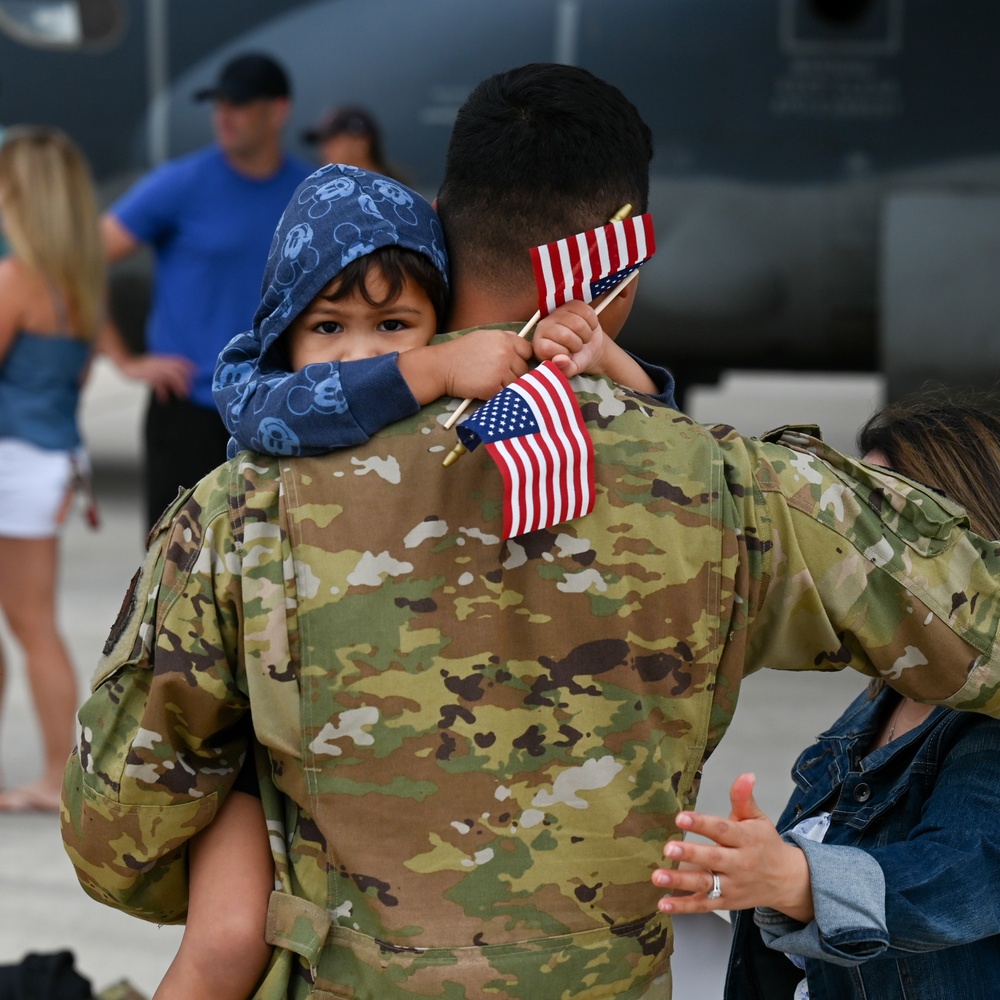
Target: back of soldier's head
point(538, 153)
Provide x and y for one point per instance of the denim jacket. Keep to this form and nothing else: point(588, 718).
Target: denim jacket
point(906, 884)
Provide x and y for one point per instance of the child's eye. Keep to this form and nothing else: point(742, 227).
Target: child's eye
point(392, 325)
point(329, 326)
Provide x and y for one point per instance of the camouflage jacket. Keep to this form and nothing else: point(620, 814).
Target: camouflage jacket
point(472, 751)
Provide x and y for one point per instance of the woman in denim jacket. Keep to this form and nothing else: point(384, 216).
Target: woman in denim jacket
point(880, 880)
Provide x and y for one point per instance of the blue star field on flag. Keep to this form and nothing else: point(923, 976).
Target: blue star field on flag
point(535, 433)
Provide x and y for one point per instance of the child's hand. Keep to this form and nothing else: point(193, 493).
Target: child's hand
point(481, 363)
point(572, 337)
point(477, 365)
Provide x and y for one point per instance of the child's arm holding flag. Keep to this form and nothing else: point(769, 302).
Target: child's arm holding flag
point(573, 338)
point(599, 262)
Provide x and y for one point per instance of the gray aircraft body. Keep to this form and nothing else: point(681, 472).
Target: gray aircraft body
point(826, 186)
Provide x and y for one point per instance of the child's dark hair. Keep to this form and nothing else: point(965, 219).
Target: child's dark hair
point(396, 264)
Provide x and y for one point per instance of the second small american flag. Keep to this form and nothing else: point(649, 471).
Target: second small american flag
point(535, 433)
point(588, 264)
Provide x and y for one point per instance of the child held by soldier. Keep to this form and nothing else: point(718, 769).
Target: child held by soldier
point(301, 382)
point(355, 288)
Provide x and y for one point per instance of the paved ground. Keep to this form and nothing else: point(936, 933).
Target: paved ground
point(41, 905)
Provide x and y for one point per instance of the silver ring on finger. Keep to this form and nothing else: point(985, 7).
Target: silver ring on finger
point(716, 891)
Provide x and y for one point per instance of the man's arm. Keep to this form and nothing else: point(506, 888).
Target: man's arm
point(162, 737)
point(119, 242)
point(856, 567)
point(166, 374)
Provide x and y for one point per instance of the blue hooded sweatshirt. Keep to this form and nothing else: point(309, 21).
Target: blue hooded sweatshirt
point(336, 215)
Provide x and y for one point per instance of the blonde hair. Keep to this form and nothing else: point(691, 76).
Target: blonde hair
point(50, 220)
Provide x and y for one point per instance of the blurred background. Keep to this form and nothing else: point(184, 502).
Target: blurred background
point(825, 188)
point(826, 195)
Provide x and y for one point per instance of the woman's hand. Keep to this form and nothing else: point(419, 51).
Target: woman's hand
point(754, 865)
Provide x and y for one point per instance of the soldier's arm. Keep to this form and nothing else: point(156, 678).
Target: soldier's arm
point(163, 734)
point(863, 569)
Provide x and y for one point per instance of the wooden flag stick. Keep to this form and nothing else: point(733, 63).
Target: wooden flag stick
point(459, 450)
point(623, 213)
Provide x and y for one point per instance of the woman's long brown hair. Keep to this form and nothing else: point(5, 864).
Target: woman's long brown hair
point(947, 440)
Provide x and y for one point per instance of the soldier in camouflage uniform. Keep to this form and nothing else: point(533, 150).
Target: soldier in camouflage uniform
point(471, 751)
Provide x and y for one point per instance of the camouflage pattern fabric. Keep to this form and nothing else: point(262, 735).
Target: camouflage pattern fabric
point(123, 990)
point(471, 751)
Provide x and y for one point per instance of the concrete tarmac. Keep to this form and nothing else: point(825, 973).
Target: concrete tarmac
point(42, 908)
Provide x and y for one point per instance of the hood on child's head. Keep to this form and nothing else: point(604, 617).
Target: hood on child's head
point(336, 215)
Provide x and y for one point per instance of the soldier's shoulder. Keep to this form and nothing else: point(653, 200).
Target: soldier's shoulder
point(224, 493)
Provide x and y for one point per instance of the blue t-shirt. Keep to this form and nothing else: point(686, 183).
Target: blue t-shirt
point(210, 229)
point(3, 242)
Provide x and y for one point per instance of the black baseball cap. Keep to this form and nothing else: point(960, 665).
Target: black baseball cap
point(353, 120)
point(246, 78)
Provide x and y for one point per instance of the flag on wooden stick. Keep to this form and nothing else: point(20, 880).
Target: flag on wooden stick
point(535, 433)
point(584, 266)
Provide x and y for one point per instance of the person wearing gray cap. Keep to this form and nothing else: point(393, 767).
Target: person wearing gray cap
point(208, 218)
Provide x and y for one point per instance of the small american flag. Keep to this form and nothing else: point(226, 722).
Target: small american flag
point(586, 265)
point(535, 433)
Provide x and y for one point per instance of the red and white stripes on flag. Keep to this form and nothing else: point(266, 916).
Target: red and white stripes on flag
point(535, 433)
point(584, 266)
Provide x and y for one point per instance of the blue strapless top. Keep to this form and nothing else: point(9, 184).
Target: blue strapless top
point(40, 390)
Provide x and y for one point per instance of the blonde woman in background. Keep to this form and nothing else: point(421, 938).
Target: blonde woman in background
point(52, 295)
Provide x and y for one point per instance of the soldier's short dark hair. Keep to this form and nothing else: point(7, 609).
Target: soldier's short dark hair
point(538, 153)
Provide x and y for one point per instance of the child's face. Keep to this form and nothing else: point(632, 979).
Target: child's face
point(350, 329)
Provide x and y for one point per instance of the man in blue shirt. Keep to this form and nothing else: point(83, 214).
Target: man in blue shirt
point(208, 217)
